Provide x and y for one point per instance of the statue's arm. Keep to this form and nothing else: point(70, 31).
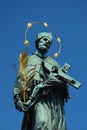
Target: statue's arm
point(18, 93)
point(51, 81)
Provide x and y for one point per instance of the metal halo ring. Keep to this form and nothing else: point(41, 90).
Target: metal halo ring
point(29, 25)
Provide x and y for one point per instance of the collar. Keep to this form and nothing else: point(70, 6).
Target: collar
point(40, 55)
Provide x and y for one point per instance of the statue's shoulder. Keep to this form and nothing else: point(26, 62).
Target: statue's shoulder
point(30, 57)
point(52, 61)
point(33, 59)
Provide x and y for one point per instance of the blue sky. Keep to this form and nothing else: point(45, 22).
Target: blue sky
point(69, 19)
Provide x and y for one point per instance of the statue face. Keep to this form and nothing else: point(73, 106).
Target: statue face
point(44, 44)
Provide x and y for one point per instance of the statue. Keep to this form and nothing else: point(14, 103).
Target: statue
point(41, 88)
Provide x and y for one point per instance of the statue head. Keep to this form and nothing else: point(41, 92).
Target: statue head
point(43, 41)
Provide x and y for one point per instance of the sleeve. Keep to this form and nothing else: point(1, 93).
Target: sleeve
point(18, 88)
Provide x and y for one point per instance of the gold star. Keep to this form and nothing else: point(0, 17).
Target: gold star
point(45, 24)
point(26, 42)
point(58, 39)
point(56, 55)
point(29, 25)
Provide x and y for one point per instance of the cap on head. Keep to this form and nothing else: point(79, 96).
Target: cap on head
point(44, 34)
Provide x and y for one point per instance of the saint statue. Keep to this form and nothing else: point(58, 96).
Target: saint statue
point(39, 92)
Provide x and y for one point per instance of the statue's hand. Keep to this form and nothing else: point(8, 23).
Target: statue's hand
point(27, 105)
point(19, 105)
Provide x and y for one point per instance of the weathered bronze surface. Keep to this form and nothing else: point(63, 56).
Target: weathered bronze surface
point(41, 88)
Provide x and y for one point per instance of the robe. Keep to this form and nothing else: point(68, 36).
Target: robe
point(47, 113)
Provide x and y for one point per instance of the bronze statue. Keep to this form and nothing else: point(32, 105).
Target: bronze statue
point(41, 88)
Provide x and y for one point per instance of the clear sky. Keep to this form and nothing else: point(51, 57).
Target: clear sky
point(69, 19)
